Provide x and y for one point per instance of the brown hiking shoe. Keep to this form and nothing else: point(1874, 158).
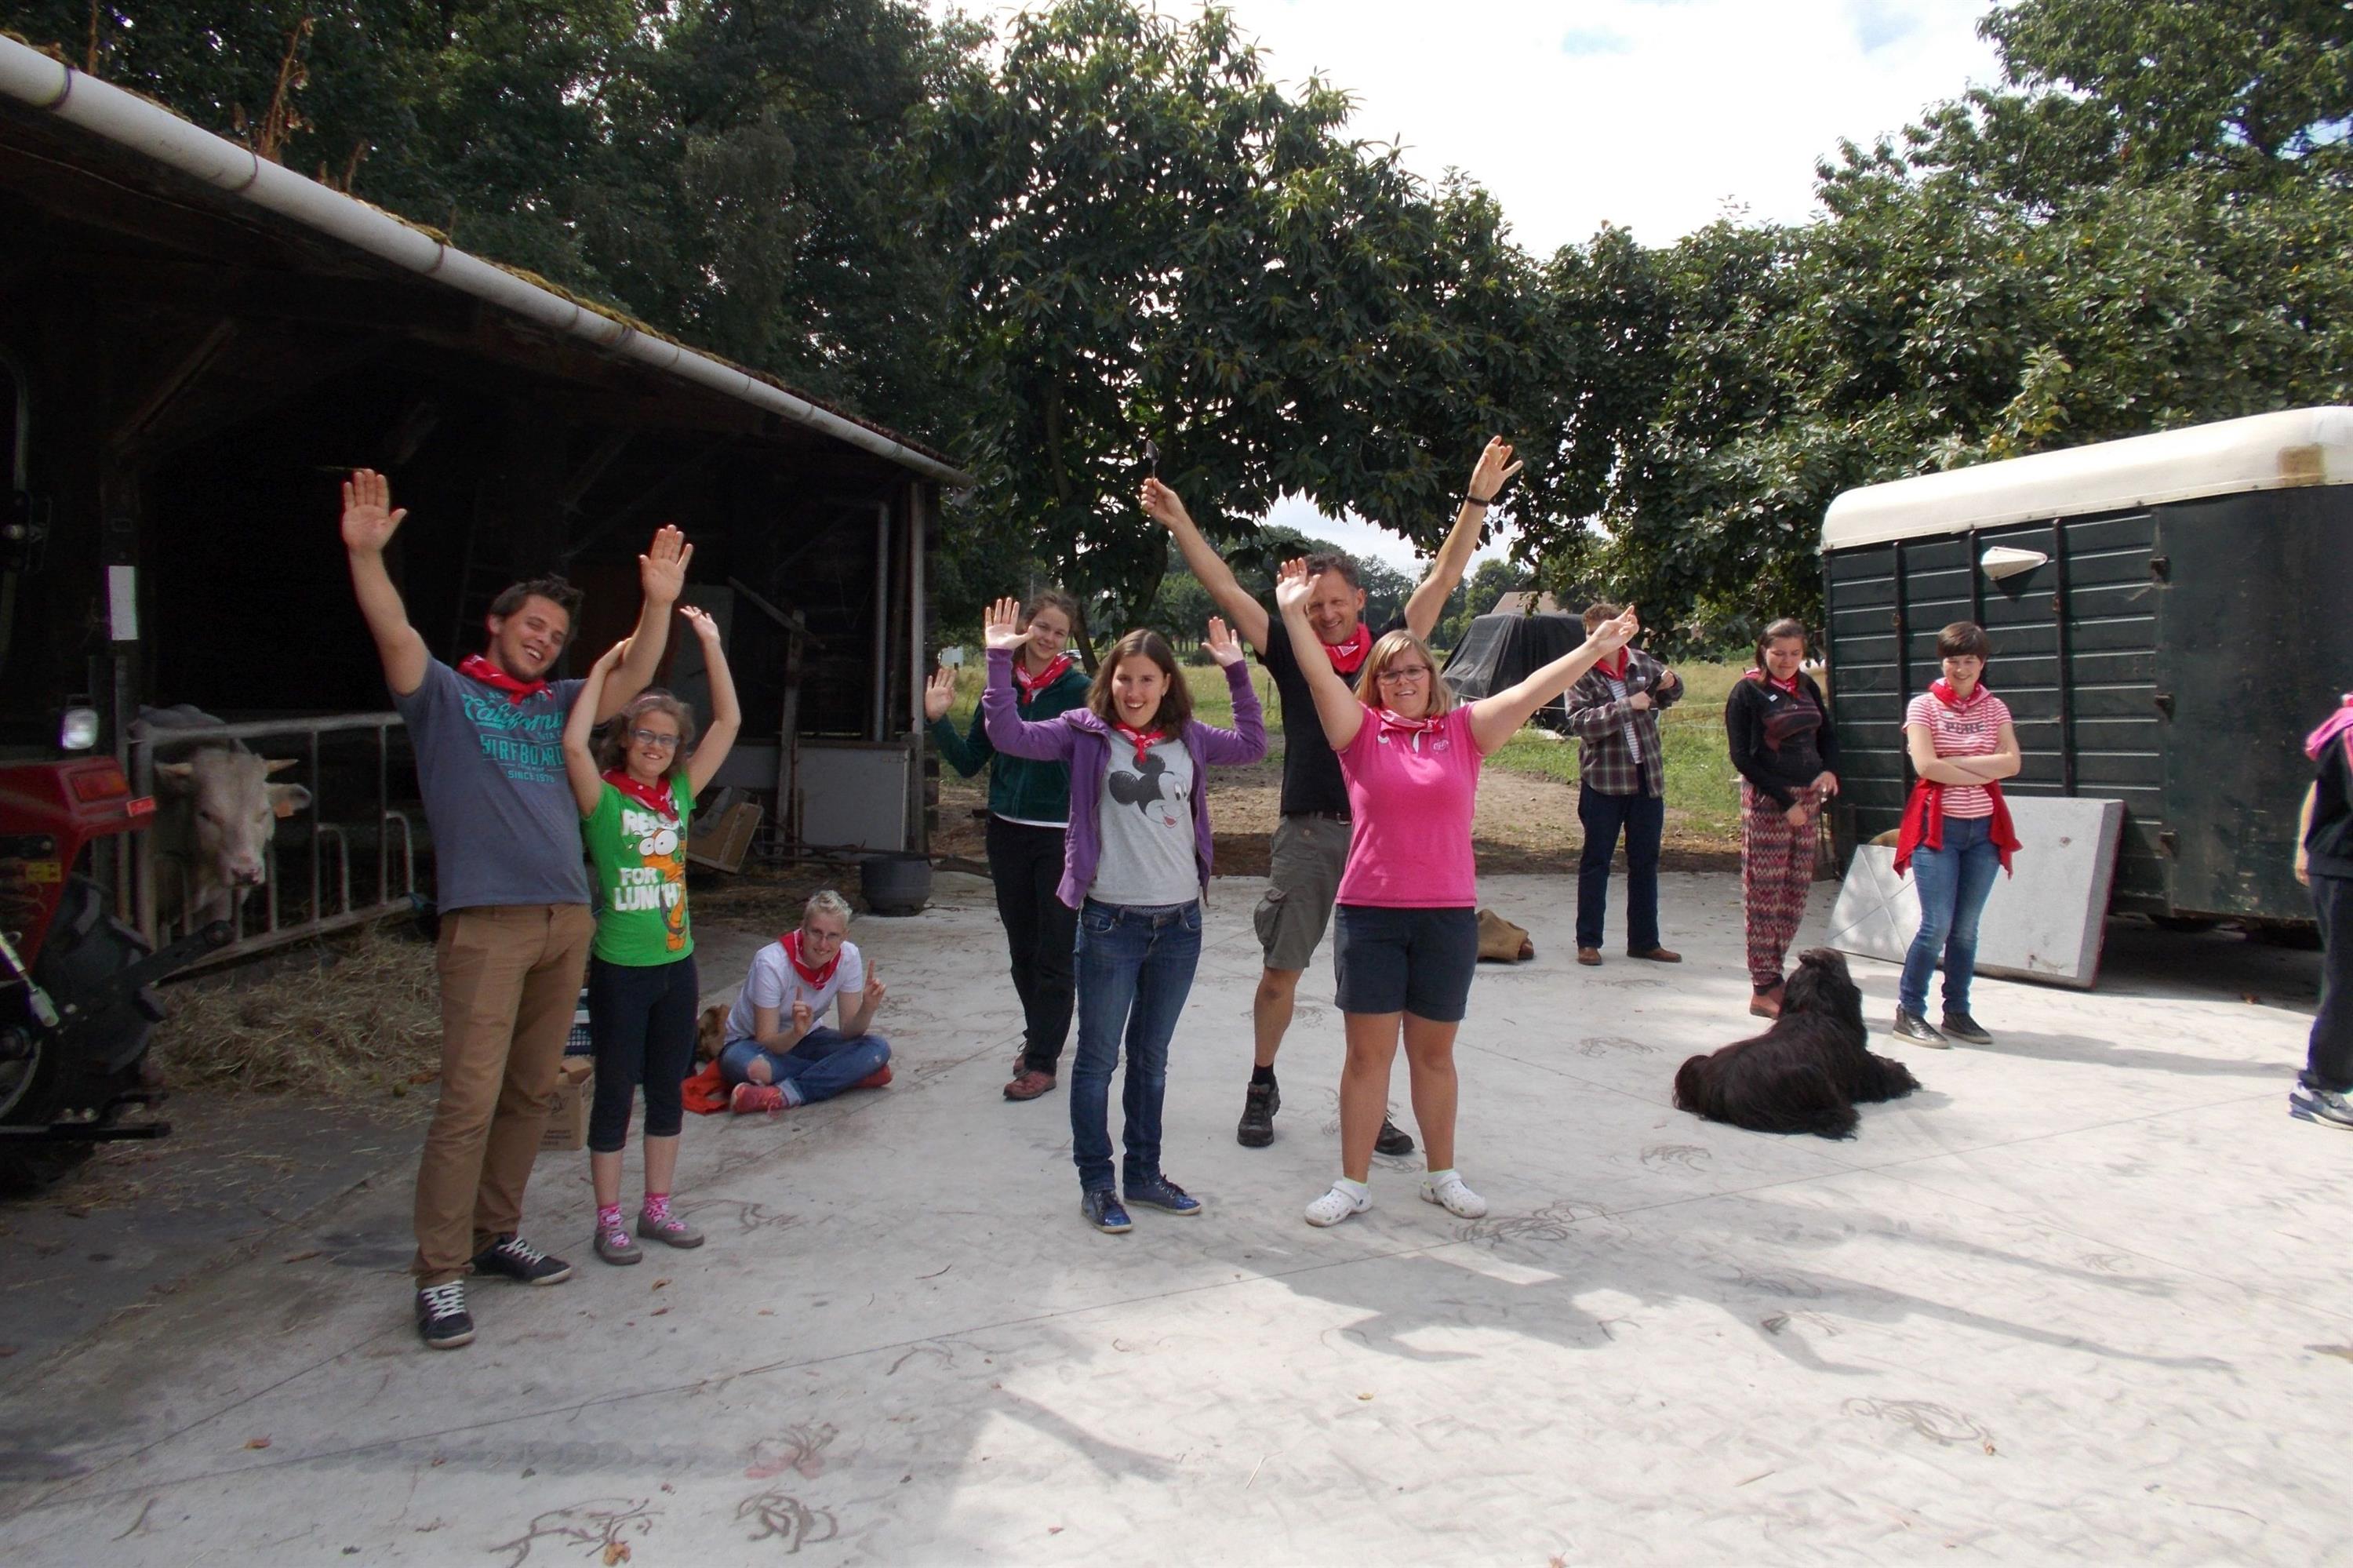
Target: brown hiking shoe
point(1591, 956)
point(1657, 955)
point(1027, 1084)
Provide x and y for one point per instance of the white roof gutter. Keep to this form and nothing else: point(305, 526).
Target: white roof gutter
point(34, 79)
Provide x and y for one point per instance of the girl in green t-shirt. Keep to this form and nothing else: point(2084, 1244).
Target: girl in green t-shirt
point(636, 792)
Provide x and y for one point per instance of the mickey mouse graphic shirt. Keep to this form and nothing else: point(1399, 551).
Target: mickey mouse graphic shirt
point(641, 860)
point(1146, 820)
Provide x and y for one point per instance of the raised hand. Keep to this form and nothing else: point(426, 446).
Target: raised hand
point(1291, 584)
point(1612, 635)
point(1162, 505)
point(1000, 628)
point(875, 990)
point(704, 626)
point(1223, 645)
point(802, 1019)
point(369, 521)
point(1494, 471)
point(662, 570)
point(939, 695)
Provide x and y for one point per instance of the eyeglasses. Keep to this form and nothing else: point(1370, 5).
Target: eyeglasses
point(654, 737)
point(1405, 675)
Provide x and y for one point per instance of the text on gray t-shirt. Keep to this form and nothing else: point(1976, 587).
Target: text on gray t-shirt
point(505, 828)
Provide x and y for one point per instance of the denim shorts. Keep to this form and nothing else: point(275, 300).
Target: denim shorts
point(1406, 960)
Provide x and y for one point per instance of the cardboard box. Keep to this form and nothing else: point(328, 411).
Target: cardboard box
point(567, 1117)
point(721, 840)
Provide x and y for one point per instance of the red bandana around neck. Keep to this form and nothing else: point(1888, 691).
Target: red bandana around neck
point(2336, 723)
point(791, 942)
point(1144, 740)
point(1399, 724)
point(655, 797)
point(1348, 656)
point(474, 667)
point(1944, 692)
point(1762, 678)
point(1615, 665)
point(1029, 685)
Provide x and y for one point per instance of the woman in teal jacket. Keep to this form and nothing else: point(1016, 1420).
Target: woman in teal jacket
point(1029, 814)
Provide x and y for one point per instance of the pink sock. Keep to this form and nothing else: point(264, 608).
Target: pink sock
point(608, 1216)
point(657, 1207)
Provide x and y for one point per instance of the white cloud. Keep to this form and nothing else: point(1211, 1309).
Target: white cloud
point(1654, 116)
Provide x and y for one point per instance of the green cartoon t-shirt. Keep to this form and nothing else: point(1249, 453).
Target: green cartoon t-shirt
point(641, 860)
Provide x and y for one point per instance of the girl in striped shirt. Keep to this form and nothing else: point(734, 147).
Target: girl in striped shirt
point(1956, 833)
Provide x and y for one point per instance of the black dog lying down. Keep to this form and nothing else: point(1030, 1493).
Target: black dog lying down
point(1806, 1072)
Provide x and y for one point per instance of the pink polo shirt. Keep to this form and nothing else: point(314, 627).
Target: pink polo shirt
point(1411, 797)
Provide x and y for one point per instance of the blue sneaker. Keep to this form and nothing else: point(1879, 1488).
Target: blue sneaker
point(1100, 1206)
point(1159, 1192)
point(2309, 1102)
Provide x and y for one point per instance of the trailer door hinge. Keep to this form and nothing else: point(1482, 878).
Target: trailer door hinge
point(2161, 569)
point(2169, 840)
point(2164, 701)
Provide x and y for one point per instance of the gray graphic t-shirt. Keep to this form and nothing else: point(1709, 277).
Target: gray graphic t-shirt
point(1146, 820)
point(505, 828)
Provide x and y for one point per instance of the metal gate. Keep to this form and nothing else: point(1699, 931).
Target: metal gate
point(351, 858)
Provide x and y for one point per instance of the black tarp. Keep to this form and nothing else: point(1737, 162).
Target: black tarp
point(1499, 651)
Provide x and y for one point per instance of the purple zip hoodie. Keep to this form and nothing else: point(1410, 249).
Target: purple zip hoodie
point(1082, 739)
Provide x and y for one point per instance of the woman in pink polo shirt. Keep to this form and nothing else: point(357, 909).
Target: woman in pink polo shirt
point(1405, 930)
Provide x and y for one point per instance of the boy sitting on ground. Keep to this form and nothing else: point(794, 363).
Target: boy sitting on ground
point(779, 1054)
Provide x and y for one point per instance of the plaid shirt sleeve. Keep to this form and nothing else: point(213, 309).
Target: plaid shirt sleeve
point(1606, 764)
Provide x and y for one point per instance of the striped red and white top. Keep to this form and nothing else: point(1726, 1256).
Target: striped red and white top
point(1973, 729)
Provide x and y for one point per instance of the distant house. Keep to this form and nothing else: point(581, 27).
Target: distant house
point(1520, 602)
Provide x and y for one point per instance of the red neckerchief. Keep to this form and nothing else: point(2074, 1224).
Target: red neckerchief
point(1416, 727)
point(2334, 724)
point(1616, 671)
point(1029, 685)
point(658, 799)
point(1143, 739)
point(1924, 823)
point(791, 942)
point(1943, 693)
point(474, 667)
point(1762, 679)
point(1348, 656)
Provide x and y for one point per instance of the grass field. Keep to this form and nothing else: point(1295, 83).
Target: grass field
point(1703, 791)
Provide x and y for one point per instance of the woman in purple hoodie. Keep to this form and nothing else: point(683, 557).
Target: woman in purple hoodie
point(1134, 866)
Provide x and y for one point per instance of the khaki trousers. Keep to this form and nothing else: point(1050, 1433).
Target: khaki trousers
point(510, 982)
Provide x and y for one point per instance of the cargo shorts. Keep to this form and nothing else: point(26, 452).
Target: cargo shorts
point(1302, 879)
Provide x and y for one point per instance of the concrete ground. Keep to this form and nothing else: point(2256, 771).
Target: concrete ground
point(2080, 1298)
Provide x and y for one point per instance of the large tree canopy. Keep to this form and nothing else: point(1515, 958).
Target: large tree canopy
point(1104, 227)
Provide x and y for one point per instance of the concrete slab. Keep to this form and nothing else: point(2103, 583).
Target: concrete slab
point(2044, 921)
point(2079, 1298)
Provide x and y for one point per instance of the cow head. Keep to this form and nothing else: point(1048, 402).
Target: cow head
point(234, 810)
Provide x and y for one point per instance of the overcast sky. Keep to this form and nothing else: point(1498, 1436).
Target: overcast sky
point(1655, 115)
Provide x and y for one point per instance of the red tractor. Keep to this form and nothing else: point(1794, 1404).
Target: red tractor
point(77, 1003)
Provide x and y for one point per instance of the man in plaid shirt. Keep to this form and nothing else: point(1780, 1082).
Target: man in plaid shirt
point(1614, 714)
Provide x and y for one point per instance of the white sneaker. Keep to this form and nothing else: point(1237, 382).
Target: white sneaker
point(1455, 1198)
point(1336, 1205)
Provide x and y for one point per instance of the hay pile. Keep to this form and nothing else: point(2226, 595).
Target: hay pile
point(356, 1020)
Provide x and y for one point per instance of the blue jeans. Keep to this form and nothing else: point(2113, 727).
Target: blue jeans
point(1953, 882)
point(1135, 966)
point(822, 1064)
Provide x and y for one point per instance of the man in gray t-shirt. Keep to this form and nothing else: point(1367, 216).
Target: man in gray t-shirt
point(516, 920)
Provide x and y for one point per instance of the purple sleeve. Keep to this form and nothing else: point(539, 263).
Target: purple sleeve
point(1246, 742)
point(1051, 741)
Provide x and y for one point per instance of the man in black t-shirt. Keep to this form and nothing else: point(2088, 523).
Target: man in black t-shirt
point(1311, 844)
point(2324, 861)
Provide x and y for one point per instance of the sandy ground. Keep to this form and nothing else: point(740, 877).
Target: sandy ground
point(2080, 1298)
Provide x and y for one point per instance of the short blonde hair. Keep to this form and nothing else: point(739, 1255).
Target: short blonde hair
point(1368, 680)
point(826, 901)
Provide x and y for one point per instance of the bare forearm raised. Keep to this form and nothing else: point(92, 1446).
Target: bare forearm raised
point(1336, 706)
point(398, 644)
point(1429, 600)
point(1494, 720)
